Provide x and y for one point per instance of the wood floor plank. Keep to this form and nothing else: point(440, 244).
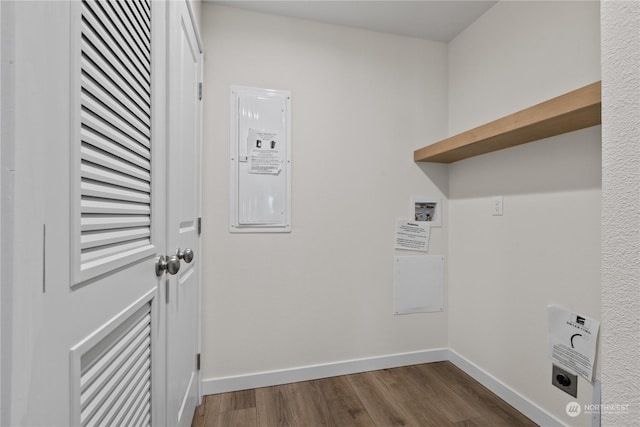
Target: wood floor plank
point(212, 405)
point(244, 399)
point(224, 408)
point(379, 401)
point(447, 401)
point(198, 416)
point(490, 421)
point(426, 414)
point(491, 407)
point(237, 418)
point(344, 406)
point(418, 398)
point(467, 423)
point(310, 407)
point(298, 404)
point(396, 382)
point(273, 407)
point(423, 388)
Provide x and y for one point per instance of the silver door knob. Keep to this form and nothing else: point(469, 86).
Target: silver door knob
point(186, 255)
point(169, 264)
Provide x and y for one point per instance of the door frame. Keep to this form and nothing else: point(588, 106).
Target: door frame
point(6, 201)
point(1, 208)
point(199, 135)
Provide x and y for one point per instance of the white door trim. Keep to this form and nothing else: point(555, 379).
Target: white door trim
point(196, 25)
point(199, 307)
point(1, 210)
point(6, 199)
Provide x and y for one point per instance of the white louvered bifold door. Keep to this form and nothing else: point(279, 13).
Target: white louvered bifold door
point(113, 182)
point(86, 342)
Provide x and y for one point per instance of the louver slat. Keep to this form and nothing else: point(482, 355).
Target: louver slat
point(90, 257)
point(111, 207)
point(140, 10)
point(116, 107)
point(134, 411)
point(123, 37)
point(120, 374)
point(101, 222)
point(140, 28)
point(97, 173)
point(94, 66)
point(130, 24)
point(115, 131)
point(101, 150)
point(130, 383)
point(96, 116)
point(99, 51)
point(103, 191)
point(116, 375)
point(100, 30)
point(105, 238)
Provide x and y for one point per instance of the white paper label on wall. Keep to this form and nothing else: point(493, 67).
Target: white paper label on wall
point(260, 143)
point(412, 235)
point(572, 340)
point(264, 152)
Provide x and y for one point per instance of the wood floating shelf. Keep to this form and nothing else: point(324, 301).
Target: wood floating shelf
point(575, 110)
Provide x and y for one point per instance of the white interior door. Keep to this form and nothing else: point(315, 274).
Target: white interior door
point(92, 195)
point(183, 213)
point(87, 216)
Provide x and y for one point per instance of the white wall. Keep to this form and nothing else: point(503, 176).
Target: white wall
point(621, 206)
point(504, 271)
point(362, 102)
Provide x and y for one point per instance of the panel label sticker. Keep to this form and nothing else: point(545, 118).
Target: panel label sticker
point(572, 340)
point(264, 152)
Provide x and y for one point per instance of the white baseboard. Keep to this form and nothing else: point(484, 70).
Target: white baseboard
point(506, 393)
point(314, 372)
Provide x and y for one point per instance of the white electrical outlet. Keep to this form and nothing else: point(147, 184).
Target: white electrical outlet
point(496, 205)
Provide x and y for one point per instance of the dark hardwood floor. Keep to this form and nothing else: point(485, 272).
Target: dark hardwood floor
point(434, 394)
